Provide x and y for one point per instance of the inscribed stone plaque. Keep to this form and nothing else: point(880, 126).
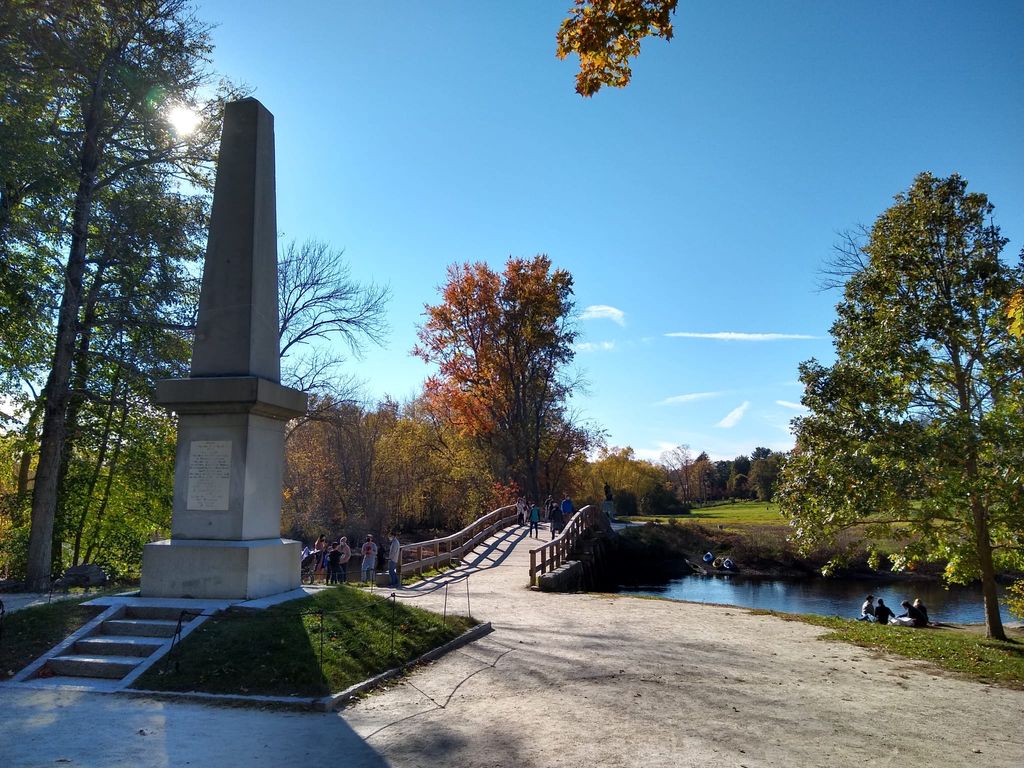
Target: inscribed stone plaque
point(209, 475)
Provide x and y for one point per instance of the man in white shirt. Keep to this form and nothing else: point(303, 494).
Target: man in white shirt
point(394, 554)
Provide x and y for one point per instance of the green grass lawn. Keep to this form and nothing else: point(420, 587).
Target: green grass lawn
point(278, 651)
point(740, 513)
point(31, 632)
point(955, 650)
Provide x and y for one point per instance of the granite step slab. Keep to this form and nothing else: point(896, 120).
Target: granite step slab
point(140, 627)
point(82, 665)
point(118, 645)
point(156, 612)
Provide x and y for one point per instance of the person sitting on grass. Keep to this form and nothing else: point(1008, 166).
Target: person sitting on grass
point(867, 611)
point(911, 616)
point(924, 611)
point(882, 612)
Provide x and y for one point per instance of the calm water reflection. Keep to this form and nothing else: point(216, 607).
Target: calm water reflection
point(827, 597)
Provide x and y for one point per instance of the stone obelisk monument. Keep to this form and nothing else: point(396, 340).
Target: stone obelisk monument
point(232, 410)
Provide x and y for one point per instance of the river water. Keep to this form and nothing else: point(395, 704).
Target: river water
point(826, 597)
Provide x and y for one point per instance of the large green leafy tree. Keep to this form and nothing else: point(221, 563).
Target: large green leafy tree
point(132, 324)
point(915, 434)
point(89, 84)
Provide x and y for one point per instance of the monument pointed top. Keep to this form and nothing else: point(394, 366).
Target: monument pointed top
point(237, 327)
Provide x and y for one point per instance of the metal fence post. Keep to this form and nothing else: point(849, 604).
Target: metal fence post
point(394, 607)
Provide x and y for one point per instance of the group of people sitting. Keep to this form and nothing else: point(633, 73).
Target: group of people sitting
point(330, 560)
point(914, 614)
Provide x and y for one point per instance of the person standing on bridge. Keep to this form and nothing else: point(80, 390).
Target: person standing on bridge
point(535, 520)
point(521, 511)
point(556, 519)
point(567, 510)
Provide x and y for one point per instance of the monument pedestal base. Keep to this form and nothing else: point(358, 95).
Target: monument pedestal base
point(210, 568)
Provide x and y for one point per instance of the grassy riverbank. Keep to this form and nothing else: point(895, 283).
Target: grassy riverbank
point(953, 649)
point(758, 550)
point(306, 648)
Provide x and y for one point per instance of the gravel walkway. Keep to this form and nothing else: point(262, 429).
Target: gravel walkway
point(569, 680)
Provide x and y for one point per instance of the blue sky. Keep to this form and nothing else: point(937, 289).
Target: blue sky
point(694, 208)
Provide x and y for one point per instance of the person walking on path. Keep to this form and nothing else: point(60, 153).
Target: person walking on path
point(394, 553)
point(535, 521)
point(369, 552)
point(521, 511)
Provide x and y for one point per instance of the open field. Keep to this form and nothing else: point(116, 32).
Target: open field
point(740, 513)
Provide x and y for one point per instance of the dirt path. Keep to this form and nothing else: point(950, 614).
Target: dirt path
point(571, 680)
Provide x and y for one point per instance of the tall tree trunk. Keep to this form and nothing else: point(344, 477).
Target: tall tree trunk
point(44, 494)
point(25, 463)
point(983, 545)
point(979, 512)
point(95, 540)
point(101, 458)
point(77, 389)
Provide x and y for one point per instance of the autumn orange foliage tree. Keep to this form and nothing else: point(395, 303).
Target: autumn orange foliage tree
point(353, 469)
point(502, 344)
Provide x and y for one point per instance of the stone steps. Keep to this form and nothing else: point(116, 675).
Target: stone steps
point(80, 665)
point(140, 627)
point(118, 646)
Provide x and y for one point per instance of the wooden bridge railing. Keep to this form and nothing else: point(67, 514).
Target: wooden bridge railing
point(424, 555)
point(551, 555)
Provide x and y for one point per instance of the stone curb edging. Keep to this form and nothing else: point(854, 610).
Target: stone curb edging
point(338, 700)
point(325, 704)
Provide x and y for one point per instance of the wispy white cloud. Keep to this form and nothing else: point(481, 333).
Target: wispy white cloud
point(732, 418)
point(793, 406)
point(594, 346)
point(604, 312)
point(738, 336)
point(687, 398)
